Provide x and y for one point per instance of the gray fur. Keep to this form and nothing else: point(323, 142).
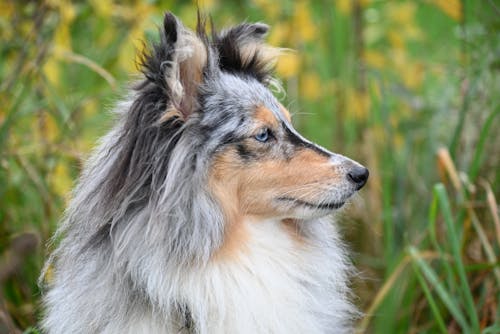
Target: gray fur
point(138, 236)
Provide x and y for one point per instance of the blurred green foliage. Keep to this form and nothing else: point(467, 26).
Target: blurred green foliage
point(410, 88)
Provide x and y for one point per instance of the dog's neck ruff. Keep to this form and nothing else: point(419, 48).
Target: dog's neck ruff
point(274, 285)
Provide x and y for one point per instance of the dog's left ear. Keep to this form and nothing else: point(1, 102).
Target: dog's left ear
point(175, 67)
point(242, 49)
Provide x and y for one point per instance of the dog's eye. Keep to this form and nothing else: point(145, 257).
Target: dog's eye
point(263, 135)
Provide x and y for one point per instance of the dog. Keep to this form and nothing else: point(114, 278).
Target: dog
point(203, 210)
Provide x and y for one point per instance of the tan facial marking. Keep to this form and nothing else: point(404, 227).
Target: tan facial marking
point(264, 181)
point(266, 117)
point(223, 184)
point(236, 237)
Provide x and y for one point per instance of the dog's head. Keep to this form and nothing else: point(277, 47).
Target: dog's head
point(254, 161)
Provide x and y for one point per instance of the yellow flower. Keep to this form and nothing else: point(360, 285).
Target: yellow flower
point(401, 13)
point(133, 45)
point(413, 75)
point(51, 128)
point(412, 32)
point(378, 133)
point(51, 71)
point(90, 107)
point(279, 34)
point(399, 58)
point(270, 7)
point(130, 49)
point(62, 40)
point(344, 6)
point(45, 130)
point(103, 8)
point(68, 12)
point(396, 39)
point(310, 86)
point(374, 59)
point(303, 22)
point(403, 16)
point(358, 104)
point(60, 178)
point(288, 65)
point(452, 8)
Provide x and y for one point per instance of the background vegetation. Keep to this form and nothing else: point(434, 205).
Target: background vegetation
point(410, 88)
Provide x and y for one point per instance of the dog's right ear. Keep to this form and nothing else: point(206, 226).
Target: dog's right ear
point(176, 65)
point(242, 50)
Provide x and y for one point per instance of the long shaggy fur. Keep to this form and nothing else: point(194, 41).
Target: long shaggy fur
point(138, 243)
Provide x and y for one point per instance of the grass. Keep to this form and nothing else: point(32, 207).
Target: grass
point(409, 88)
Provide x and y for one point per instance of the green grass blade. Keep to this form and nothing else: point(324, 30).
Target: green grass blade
point(440, 289)
point(430, 299)
point(494, 329)
point(444, 204)
point(433, 215)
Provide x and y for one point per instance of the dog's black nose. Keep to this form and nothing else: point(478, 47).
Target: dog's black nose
point(358, 175)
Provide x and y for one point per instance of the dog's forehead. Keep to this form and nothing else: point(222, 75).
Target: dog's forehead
point(236, 97)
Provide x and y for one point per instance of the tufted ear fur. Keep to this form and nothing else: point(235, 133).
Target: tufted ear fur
point(176, 65)
point(242, 49)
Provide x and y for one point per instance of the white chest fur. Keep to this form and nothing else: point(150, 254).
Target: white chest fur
point(274, 285)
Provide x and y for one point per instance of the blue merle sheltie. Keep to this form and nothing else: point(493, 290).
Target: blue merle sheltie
point(203, 210)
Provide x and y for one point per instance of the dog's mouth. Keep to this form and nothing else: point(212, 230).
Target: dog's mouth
point(321, 206)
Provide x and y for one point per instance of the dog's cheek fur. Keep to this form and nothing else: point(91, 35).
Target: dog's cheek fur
point(248, 182)
point(224, 183)
point(227, 174)
point(299, 176)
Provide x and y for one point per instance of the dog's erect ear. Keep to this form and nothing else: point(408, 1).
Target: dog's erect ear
point(176, 65)
point(242, 49)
